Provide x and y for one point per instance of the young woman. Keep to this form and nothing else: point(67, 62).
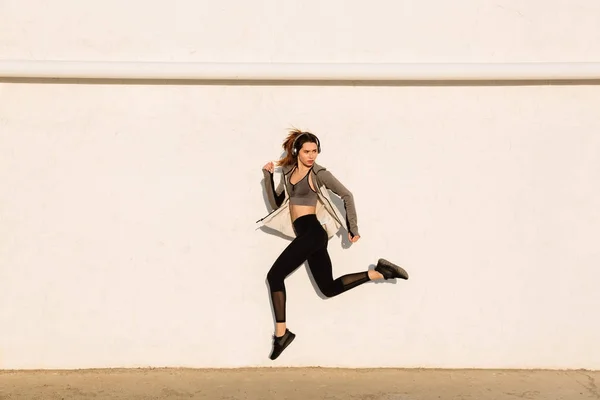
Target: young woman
point(304, 213)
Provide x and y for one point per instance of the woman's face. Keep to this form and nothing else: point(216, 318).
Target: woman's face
point(308, 154)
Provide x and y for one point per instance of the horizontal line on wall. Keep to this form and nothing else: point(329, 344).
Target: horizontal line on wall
point(298, 72)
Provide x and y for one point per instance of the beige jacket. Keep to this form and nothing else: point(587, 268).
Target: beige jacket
point(329, 216)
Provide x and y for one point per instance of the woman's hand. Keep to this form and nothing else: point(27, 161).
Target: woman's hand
point(353, 239)
point(270, 166)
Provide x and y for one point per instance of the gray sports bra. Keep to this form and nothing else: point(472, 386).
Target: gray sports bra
point(301, 193)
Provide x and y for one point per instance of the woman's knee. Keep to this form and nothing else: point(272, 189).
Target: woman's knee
point(275, 280)
point(328, 290)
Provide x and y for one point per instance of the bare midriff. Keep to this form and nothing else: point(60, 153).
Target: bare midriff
point(298, 211)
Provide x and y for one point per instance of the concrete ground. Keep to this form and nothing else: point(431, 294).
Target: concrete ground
point(299, 383)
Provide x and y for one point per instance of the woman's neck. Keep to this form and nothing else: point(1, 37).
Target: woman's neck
point(302, 168)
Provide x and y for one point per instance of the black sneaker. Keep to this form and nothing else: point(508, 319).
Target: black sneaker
point(389, 270)
point(280, 343)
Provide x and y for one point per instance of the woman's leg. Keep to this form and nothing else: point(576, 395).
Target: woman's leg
point(320, 265)
point(290, 259)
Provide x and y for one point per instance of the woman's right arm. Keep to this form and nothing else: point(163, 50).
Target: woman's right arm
point(275, 195)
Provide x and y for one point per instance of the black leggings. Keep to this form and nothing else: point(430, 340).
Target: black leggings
point(309, 245)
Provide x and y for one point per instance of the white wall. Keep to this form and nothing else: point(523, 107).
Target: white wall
point(127, 211)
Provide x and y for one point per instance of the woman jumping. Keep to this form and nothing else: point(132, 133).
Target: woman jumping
point(303, 212)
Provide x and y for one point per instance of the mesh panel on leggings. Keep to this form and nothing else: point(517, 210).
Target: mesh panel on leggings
point(346, 282)
point(353, 280)
point(278, 299)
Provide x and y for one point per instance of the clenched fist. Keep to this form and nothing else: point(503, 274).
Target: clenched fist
point(270, 166)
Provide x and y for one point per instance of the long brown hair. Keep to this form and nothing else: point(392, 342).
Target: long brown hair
point(290, 159)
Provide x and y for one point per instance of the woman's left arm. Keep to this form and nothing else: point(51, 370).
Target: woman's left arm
point(332, 183)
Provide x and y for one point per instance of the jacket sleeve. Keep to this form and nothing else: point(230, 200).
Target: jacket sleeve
point(275, 195)
point(339, 189)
